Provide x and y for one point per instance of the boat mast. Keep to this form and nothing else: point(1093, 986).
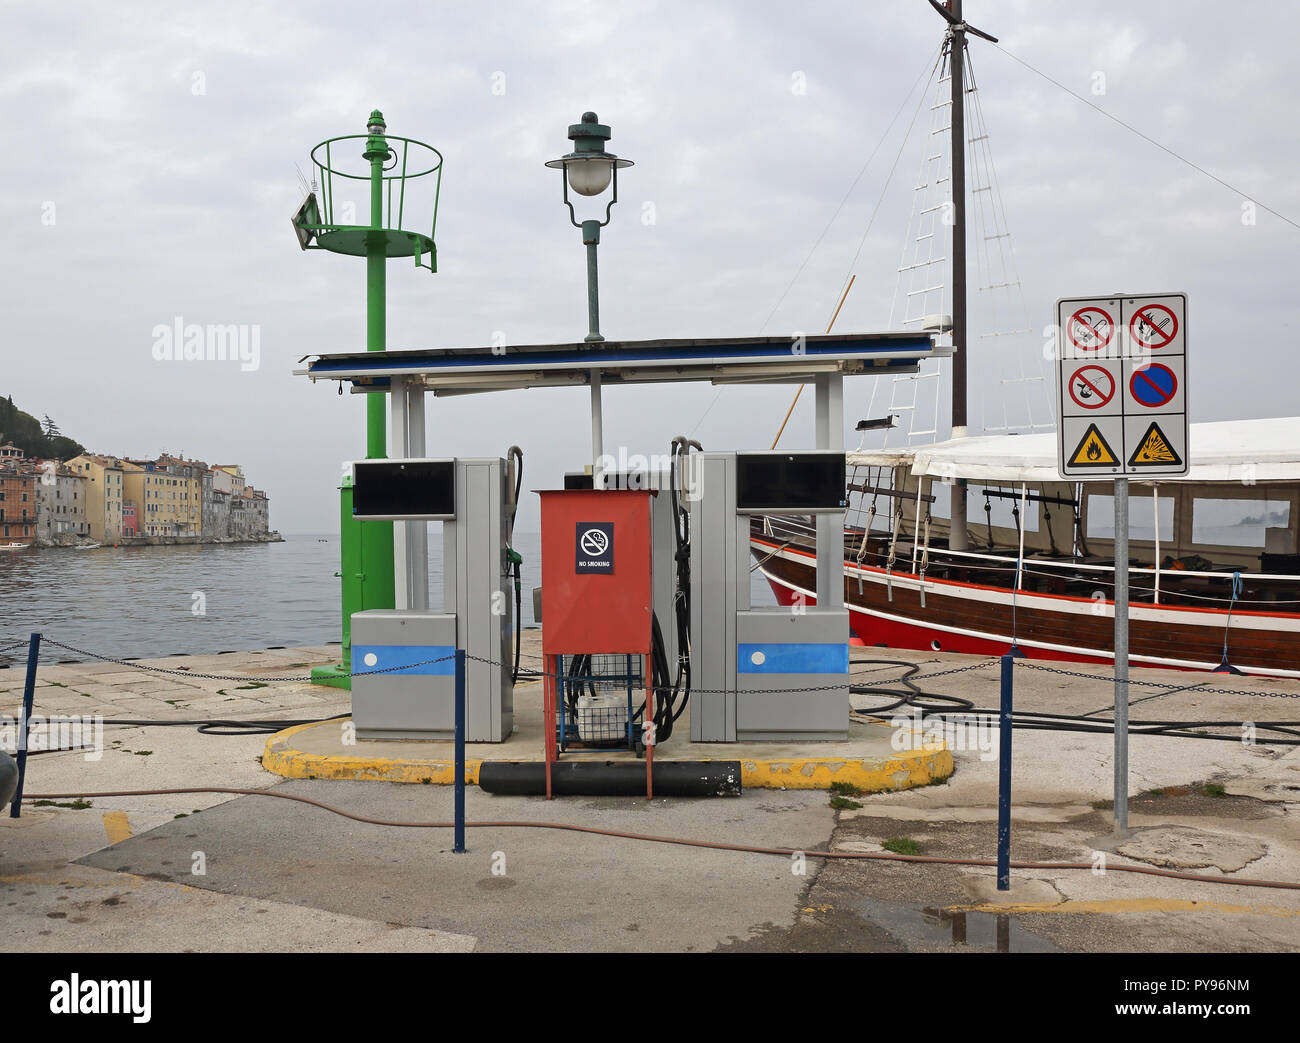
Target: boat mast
point(957, 29)
point(957, 537)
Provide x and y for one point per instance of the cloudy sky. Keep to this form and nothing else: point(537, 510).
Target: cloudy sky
point(151, 176)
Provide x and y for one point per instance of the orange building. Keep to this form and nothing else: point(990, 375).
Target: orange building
point(17, 498)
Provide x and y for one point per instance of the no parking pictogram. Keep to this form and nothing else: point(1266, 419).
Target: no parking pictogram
point(1153, 326)
point(1153, 386)
point(1090, 328)
point(1092, 387)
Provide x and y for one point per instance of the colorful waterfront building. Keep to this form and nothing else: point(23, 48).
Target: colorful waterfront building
point(60, 501)
point(104, 494)
point(163, 500)
point(17, 497)
point(189, 490)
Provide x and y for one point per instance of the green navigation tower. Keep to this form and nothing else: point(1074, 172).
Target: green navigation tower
point(401, 224)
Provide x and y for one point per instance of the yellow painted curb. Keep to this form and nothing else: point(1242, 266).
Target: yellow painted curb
point(904, 770)
point(282, 759)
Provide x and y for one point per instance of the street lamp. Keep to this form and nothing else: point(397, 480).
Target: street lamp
point(589, 170)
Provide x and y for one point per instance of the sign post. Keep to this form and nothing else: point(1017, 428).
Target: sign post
point(1121, 382)
point(1121, 658)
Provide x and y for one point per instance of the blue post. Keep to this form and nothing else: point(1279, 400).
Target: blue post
point(29, 696)
point(1004, 775)
point(459, 843)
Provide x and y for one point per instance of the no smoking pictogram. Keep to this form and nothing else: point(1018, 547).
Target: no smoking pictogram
point(1092, 387)
point(595, 542)
point(1153, 326)
point(1090, 328)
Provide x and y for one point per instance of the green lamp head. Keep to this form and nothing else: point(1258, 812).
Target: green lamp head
point(589, 167)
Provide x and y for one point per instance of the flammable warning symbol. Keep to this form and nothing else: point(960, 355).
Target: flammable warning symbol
point(1093, 451)
point(1154, 450)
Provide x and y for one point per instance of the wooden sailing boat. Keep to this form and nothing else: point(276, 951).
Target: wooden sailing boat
point(1213, 557)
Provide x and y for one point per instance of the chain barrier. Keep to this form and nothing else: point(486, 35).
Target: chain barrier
point(658, 689)
point(1154, 684)
point(539, 674)
point(233, 677)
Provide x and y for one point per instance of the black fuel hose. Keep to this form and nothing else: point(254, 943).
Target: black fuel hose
point(912, 695)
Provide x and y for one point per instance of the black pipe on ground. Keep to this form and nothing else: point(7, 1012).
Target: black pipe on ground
point(580, 778)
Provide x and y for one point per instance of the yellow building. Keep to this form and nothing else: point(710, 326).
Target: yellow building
point(104, 488)
point(168, 503)
point(189, 490)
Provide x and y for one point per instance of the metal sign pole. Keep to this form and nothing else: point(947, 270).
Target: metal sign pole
point(458, 794)
point(1121, 657)
point(29, 694)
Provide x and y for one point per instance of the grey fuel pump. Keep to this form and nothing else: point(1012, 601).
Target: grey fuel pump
point(777, 673)
point(413, 697)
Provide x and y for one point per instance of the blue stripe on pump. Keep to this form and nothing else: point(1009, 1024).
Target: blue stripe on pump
point(386, 656)
point(794, 658)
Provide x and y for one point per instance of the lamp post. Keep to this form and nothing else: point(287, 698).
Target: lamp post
point(589, 169)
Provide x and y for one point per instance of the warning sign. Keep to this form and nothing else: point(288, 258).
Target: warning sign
point(1090, 329)
point(1155, 450)
point(594, 547)
point(1153, 386)
point(1093, 451)
point(1121, 386)
point(1153, 326)
point(1092, 387)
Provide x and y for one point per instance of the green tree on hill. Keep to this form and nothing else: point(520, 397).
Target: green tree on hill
point(32, 437)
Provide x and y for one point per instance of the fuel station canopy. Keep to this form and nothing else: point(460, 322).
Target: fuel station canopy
point(719, 360)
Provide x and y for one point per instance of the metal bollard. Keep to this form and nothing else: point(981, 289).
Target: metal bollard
point(458, 844)
point(29, 695)
point(1004, 775)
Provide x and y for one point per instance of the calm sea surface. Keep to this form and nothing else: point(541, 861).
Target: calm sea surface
point(140, 601)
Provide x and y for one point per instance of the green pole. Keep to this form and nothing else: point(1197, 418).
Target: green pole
point(376, 537)
point(366, 548)
point(591, 237)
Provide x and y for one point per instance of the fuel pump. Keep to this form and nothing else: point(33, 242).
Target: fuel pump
point(404, 686)
point(779, 673)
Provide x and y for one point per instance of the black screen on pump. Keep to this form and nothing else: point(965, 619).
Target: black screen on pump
point(792, 482)
point(404, 489)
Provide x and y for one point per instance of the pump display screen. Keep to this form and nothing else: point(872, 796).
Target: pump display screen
point(790, 483)
point(404, 489)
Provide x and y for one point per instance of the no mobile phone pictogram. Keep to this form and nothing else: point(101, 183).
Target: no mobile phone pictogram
point(1090, 328)
point(1153, 326)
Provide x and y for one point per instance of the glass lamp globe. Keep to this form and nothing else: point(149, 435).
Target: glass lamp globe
point(589, 177)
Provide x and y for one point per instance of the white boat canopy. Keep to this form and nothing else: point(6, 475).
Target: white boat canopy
point(1245, 451)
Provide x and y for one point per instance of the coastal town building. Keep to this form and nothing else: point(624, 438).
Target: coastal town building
point(216, 509)
point(107, 499)
point(167, 504)
point(228, 478)
point(60, 503)
point(188, 489)
point(17, 498)
point(104, 494)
